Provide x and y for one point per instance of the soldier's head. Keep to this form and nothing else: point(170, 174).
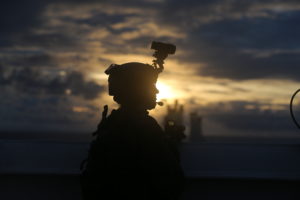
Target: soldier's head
point(133, 85)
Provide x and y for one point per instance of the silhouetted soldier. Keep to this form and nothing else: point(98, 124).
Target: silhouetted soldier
point(130, 157)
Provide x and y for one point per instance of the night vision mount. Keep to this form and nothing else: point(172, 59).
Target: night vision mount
point(162, 50)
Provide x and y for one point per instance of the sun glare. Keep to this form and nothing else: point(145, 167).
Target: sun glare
point(165, 92)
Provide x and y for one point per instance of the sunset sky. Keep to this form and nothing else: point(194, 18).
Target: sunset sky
point(237, 62)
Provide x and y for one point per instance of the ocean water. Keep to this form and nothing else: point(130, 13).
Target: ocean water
point(221, 159)
point(215, 169)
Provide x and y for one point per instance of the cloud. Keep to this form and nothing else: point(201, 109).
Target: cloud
point(34, 60)
point(255, 122)
point(228, 39)
point(47, 113)
point(18, 17)
point(32, 81)
point(250, 116)
point(192, 13)
point(229, 48)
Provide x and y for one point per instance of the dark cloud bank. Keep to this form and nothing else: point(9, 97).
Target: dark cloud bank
point(247, 116)
point(231, 39)
point(34, 101)
point(33, 82)
point(237, 39)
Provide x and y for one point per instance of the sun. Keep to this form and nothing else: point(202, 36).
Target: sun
point(165, 91)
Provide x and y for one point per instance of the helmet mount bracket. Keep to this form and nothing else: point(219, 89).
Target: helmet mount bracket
point(162, 50)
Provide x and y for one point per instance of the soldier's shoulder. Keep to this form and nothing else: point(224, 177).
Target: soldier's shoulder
point(151, 120)
point(119, 121)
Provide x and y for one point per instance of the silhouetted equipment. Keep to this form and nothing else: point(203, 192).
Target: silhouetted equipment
point(291, 108)
point(175, 113)
point(163, 47)
point(160, 103)
point(174, 127)
point(162, 50)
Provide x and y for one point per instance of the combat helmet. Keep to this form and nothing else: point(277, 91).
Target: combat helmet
point(130, 77)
